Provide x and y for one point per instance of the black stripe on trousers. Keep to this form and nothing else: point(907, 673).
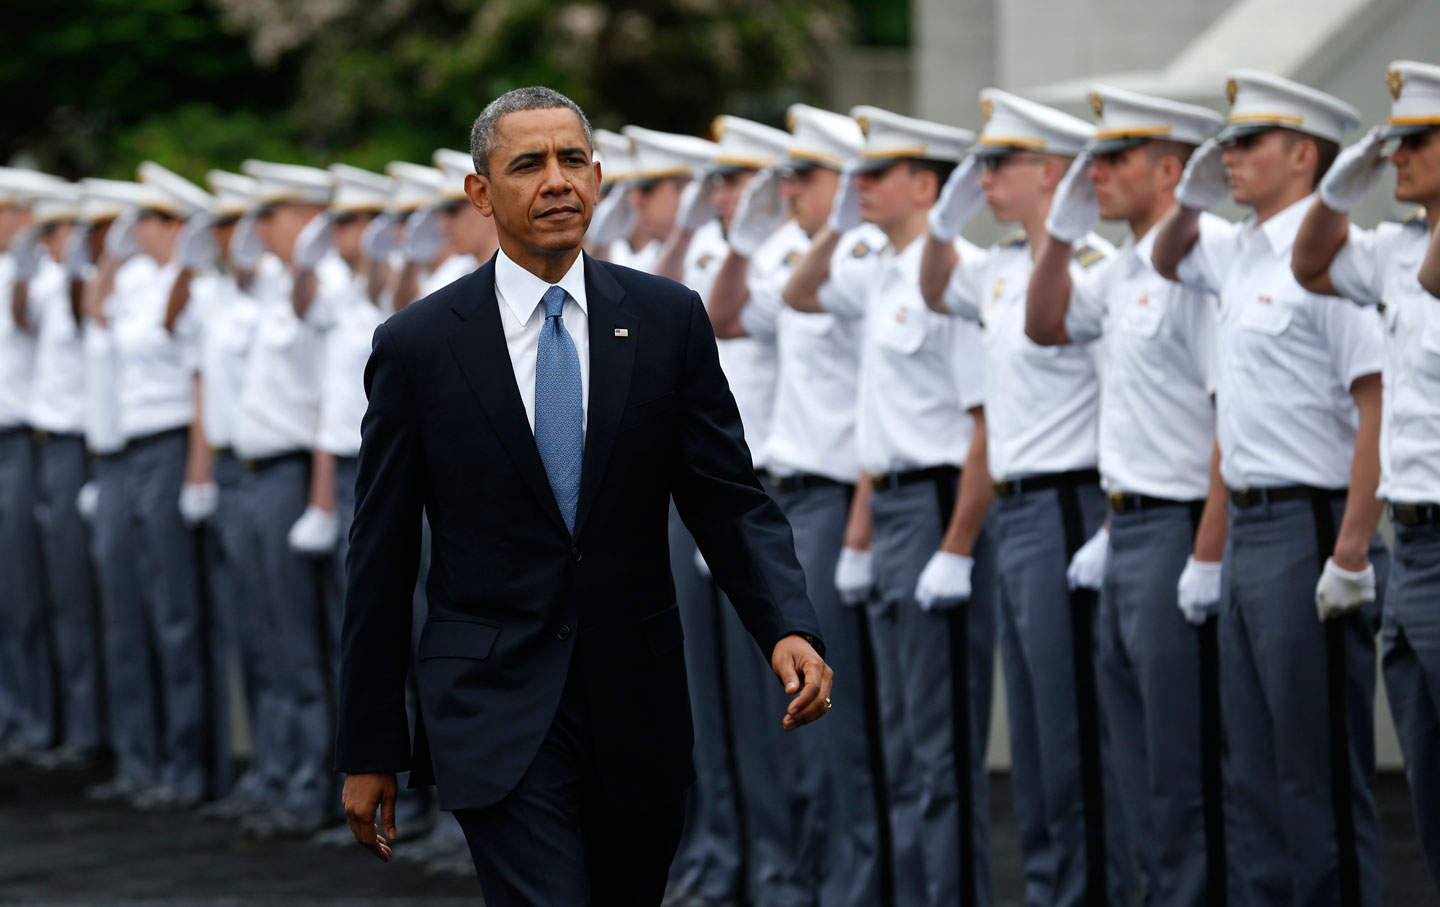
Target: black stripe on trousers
point(1212, 789)
point(946, 491)
point(1341, 805)
point(1087, 706)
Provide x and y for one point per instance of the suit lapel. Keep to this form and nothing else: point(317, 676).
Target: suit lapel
point(611, 359)
point(479, 347)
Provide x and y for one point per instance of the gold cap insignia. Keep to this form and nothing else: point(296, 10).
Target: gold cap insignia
point(717, 127)
point(864, 125)
point(987, 108)
point(1097, 104)
point(1232, 88)
point(1396, 80)
point(790, 120)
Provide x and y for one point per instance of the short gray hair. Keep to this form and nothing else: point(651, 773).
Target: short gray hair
point(535, 97)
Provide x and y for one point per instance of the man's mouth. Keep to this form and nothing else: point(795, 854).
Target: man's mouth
point(558, 213)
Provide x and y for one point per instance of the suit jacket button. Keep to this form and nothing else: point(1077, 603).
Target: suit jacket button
point(575, 555)
point(563, 632)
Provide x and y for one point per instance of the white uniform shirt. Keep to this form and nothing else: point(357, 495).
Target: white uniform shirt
point(749, 363)
point(1157, 424)
point(520, 295)
point(347, 350)
point(229, 317)
point(920, 371)
point(1044, 401)
point(447, 272)
point(57, 398)
point(1382, 266)
point(1287, 357)
point(17, 355)
point(157, 367)
point(280, 393)
point(102, 407)
point(643, 259)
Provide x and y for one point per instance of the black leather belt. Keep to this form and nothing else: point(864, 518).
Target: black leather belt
point(889, 481)
point(260, 464)
point(803, 481)
point(1255, 497)
point(13, 430)
point(1120, 502)
point(1414, 514)
point(1010, 488)
point(157, 437)
point(41, 436)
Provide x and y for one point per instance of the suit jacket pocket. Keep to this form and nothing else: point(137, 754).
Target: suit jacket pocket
point(663, 633)
point(457, 639)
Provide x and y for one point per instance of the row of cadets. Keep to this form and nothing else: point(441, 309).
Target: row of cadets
point(1383, 267)
point(1158, 645)
point(1298, 408)
point(643, 173)
point(810, 456)
point(920, 418)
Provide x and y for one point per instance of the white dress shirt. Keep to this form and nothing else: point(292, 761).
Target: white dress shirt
point(522, 315)
point(447, 272)
point(157, 367)
point(643, 259)
point(1157, 422)
point(229, 318)
point(347, 350)
point(1287, 357)
point(1044, 401)
point(57, 398)
point(280, 394)
point(17, 355)
point(1382, 266)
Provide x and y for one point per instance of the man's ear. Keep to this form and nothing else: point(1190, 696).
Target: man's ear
point(477, 189)
point(597, 173)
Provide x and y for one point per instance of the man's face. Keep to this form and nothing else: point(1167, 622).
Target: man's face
point(1261, 165)
point(812, 192)
point(55, 237)
point(470, 232)
point(348, 229)
point(12, 220)
point(1126, 183)
point(542, 184)
point(155, 234)
point(278, 226)
point(223, 231)
point(1014, 184)
point(889, 196)
point(726, 194)
point(1417, 168)
point(656, 205)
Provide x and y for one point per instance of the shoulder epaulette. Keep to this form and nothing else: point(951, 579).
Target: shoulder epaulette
point(1018, 238)
point(1416, 218)
point(1087, 255)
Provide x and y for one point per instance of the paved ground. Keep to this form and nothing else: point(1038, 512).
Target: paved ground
point(56, 849)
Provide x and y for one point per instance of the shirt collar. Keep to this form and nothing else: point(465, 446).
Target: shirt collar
point(522, 291)
point(1279, 232)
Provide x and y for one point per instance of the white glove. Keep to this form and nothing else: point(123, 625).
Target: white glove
point(1205, 184)
point(1074, 210)
point(313, 241)
point(700, 566)
point(422, 237)
point(759, 214)
point(959, 200)
point(246, 246)
point(945, 582)
point(198, 502)
point(614, 218)
point(77, 253)
point(315, 533)
point(696, 207)
point(1199, 590)
point(25, 254)
point(853, 579)
point(196, 247)
point(380, 238)
point(1341, 591)
point(88, 501)
point(845, 208)
point(120, 242)
point(1354, 173)
point(1087, 567)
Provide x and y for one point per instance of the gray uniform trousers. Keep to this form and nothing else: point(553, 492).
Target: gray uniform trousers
point(291, 598)
point(1058, 733)
point(1298, 699)
point(170, 589)
point(131, 681)
point(1160, 687)
point(27, 697)
point(842, 792)
point(1410, 634)
point(944, 660)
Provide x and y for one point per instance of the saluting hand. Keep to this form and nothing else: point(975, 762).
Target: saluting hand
point(806, 677)
point(365, 793)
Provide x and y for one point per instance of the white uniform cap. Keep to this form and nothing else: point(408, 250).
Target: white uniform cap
point(131, 195)
point(616, 154)
point(455, 165)
point(187, 197)
point(1416, 90)
point(1128, 118)
point(747, 145)
point(890, 137)
point(662, 155)
point(234, 193)
point(105, 200)
point(1013, 123)
point(821, 137)
point(288, 183)
point(1260, 102)
point(415, 185)
point(59, 202)
point(19, 186)
point(358, 191)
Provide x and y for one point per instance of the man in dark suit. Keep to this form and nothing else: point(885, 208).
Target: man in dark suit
point(541, 413)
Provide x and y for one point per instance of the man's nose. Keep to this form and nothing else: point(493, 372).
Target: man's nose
point(555, 181)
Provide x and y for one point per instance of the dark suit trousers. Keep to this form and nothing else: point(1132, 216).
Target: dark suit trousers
point(557, 840)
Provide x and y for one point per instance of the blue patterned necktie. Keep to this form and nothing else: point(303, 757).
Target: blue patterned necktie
point(559, 407)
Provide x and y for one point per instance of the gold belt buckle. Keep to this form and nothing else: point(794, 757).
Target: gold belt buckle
point(1405, 514)
point(40, 436)
point(1117, 501)
point(877, 481)
point(250, 465)
point(1002, 489)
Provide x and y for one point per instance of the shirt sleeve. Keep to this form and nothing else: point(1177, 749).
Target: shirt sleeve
point(761, 313)
point(1358, 269)
point(967, 362)
point(1353, 335)
point(1089, 289)
point(1201, 313)
point(963, 293)
point(846, 292)
point(1203, 267)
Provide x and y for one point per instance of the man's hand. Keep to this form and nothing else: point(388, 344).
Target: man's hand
point(793, 660)
point(853, 577)
point(364, 794)
point(945, 582)
point(845, 208)
point(1087, 567)
point(1198, 590)
point(1354, 173)
point(1205, 183)
point(1075, 209)
point(961, 199)
point(1340, 591)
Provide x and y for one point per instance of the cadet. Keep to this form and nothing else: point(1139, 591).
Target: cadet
point(919, 417)
point(1158, 464)
point(1042, 454)
point(616, 233)
point(1379, 267)
point(1298, 419)
point(420, 241)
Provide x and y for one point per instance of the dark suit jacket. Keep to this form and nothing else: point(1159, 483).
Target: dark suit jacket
point(515, 602)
